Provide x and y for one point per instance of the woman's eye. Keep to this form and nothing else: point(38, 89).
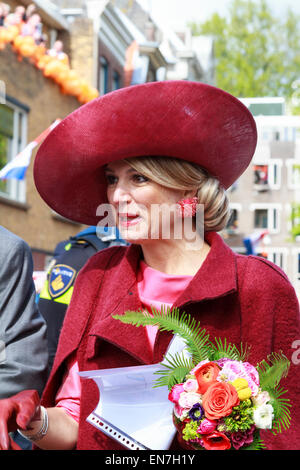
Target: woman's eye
point(140, 178)
point(111, 179)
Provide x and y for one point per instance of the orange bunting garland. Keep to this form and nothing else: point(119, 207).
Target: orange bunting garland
point(52, 67)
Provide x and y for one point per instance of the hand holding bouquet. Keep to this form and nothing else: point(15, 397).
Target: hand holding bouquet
point(221, 401)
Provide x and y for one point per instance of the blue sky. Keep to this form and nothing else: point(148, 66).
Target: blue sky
point(176, 13)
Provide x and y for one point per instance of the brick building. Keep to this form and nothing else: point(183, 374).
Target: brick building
point(31, 104)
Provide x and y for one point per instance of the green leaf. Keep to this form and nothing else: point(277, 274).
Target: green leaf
point(281, 406)
point(222, 348)
point(195, 337)
point(256, 52)
point(271, 372)
point(175, 370)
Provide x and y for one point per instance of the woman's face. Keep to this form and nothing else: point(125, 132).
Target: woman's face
point(142, 207)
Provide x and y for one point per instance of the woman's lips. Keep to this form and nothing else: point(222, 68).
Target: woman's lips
point(127, 220)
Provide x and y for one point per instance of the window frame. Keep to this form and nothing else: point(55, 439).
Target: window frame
point(17, 188)
point(271, 183)
point(234, 206)
point(274, 252)
point(272, 227)
point(103, 78)
point(296, 267)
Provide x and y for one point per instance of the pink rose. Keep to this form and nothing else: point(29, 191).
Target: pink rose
point(236, 369)
point(252, 377)
point(180, 413)
point(191, 385)
point(188, 399)
point(175, 393)
point(206, 426)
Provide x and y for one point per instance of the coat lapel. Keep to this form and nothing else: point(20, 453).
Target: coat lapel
point(217, 277)
point(122, 295)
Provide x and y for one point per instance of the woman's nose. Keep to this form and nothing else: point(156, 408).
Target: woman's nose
point(121, 194)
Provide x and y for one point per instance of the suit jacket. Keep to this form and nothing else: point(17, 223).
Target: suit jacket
point(243, 298)
point(23, 345)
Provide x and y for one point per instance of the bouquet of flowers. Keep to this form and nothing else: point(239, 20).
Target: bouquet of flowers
point(221, 401)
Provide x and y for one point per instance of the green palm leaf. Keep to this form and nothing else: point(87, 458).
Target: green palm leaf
point(221, 348)
point(271, 372)
point(281, 407)
point(195, 337)
point(175, 370)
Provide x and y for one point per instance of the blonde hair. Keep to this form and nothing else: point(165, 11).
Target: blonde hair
point(180, 174)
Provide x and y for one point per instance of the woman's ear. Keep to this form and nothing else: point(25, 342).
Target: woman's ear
point(190, 193)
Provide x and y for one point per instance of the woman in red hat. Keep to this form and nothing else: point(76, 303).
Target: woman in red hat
point(157, 157)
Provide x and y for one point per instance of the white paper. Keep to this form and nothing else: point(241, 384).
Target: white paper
point(130, 410)
point(129, 403)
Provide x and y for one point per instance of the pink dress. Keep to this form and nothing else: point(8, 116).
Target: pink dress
point(155, 289)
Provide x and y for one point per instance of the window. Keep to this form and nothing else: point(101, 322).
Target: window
point(103, 76)
point(278, 256)
point(232, 226)
point(267, 175)
point(266, 216)
point(296, 263)
point(261, 177)
point(116, 81)
point(261, 218)
point(13, 132)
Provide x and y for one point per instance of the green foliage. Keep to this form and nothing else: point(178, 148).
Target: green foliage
point(241, 417)
point(295, 217)
point(190, 430)
point(195, 337)
point(175, 370)
point(271, 372)
point(221, 349)
point(256, 53)
point(197, 342)
point(177, 367)
point(281, 406)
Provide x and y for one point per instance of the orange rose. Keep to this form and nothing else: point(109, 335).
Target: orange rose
point(219, 399)
point(205, 375)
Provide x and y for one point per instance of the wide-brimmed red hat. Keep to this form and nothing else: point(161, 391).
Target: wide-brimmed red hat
point(188, 120)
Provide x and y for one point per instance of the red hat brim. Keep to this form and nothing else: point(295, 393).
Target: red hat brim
point(188, 120)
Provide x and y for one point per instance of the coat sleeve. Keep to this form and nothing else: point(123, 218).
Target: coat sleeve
point(79, 315)
point(271, 323)
point(24, 353)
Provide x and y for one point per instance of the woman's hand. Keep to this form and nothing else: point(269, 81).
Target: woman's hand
point(17, 412)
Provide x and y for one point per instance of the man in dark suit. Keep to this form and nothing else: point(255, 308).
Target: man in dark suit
point(23, 343)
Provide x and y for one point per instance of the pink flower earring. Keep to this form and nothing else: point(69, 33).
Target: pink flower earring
point(187, 207)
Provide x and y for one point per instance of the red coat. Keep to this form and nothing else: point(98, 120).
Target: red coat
point(243, 298)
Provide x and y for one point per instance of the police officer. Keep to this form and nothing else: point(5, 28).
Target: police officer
point(69, 257)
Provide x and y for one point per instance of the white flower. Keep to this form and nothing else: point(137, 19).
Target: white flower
point(263, 416)
point(188, 399)
point(261, 398)
point(191, 385)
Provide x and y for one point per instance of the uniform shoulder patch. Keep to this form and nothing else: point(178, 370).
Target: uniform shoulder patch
point(61, 278)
